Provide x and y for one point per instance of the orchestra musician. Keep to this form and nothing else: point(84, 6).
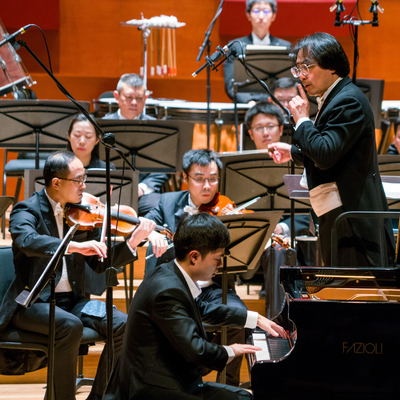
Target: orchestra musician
point(165, 347)
point(264, 122)
point(131, 97)
point(37, 227)
point(261, 15)
point(201, 174)
point(339, 154)
point(393, 149)
point(83, 141)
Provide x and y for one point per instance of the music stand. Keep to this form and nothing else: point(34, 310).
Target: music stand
point(26, 298)
point(36, 124)
point(154, 146)
point(253, 173)
point(267, 62)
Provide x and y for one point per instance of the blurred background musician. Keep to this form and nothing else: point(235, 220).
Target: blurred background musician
point(261, 15)
point(394, 148)
point(201, 173)
point(131, 97)
point(83, 141)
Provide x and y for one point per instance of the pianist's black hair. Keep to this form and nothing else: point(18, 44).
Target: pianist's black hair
point(202, 232)
point(326, 51)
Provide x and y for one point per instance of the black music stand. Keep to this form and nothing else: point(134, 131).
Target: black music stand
point(154, 146)
point(26, 298)
point(253, 173)
point(249, 235)
point(36, 124)
point(268, 63)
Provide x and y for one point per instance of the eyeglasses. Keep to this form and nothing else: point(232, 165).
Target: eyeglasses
point(261, 129)
point(78, 181)
point(201, 181)
point(257, 11)
point(304, 69)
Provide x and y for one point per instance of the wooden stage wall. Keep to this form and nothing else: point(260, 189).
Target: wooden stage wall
point(90, 50)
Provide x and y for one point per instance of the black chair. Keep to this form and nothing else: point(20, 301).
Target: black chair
point(18, 339)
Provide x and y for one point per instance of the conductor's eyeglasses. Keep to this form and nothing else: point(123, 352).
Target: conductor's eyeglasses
point(303, 68)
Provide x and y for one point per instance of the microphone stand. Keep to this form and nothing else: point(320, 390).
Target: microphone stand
point(356, 23)
point(26, 298)
point(108, 140)
point(207, 43)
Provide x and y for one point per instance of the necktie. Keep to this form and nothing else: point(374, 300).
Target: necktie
point(190, 210)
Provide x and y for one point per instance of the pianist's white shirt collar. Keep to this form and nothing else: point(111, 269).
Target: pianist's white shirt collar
point(193, 286)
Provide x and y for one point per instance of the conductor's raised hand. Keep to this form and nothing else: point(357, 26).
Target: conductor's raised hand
point(299, 105)
point(280, 152)
point(142, 232)
point(271, 327)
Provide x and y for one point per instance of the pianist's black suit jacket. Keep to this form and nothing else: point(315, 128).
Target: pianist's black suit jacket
point(165, 344)
point(341, 148)
point(243, 97)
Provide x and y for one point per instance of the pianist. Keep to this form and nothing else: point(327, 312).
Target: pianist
point(165, 351)
point(339, 154)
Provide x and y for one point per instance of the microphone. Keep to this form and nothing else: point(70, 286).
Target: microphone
point(375, 6)
point(223, 52)
point(12, 37)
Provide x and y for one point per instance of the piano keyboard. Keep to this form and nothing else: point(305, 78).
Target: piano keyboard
point(273, 348)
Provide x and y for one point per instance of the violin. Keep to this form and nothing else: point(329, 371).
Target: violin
point(90, 214)
point(221, 205)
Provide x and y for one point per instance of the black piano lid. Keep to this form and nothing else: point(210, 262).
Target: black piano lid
point(342, 277)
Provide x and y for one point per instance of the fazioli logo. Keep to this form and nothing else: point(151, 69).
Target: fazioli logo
point(362, 348)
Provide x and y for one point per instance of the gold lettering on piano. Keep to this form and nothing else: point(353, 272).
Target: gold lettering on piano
point(362, 348)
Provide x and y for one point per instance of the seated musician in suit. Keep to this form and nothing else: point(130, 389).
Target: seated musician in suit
point(201, 174)
point(264, 122)
point(261, 15)
point(394, 148)
point(131, 98)
point(83, 141)
point(165, 347)
point(37, 226)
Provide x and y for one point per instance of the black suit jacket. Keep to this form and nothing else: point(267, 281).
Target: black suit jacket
point(169, 211)
point(229, 71)
point(341, 148)
point(165, 345)
point(35, 239)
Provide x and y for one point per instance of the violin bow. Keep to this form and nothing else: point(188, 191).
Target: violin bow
point(249, 203)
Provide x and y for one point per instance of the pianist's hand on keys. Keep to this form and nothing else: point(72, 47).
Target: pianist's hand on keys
point(271, 327)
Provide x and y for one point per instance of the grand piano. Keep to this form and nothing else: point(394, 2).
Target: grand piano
point(344, 326)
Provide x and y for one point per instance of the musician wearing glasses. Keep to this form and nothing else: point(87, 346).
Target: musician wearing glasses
point(339, 154)
point(37, 227)
point(131, 98)
point(261, 15)
point(201, 173)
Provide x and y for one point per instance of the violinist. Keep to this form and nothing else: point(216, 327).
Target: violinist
point(201, 172)
point(37, 227)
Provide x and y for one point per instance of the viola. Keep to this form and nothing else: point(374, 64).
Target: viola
point(221, 205)
point(90, 214)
